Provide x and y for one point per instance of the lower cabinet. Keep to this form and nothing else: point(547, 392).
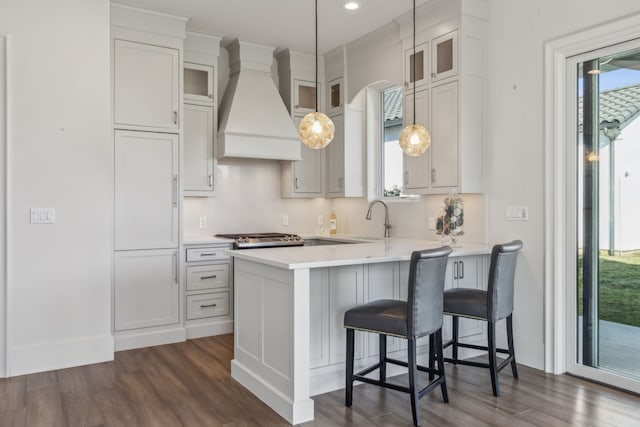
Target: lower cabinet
point(334, 290)
point(146, 289)
point(208, 290)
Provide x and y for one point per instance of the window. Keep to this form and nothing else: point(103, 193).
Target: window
point(391, 153)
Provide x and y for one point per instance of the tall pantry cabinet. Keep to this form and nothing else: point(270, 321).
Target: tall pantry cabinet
point(147, 121)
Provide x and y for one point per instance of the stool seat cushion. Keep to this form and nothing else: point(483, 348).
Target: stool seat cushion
point(466, 302)
point(386, 316)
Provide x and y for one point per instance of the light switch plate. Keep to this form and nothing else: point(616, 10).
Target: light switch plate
point(203, 222)
point(285, 220)
point(431, 223)
point(516, 213)
point(42, 215)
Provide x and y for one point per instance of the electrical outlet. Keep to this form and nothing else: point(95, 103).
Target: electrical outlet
point(431, 223)
point(203, 222)
point(320, 220)
point(42, 215)
point(285, 220)
point(516, 213)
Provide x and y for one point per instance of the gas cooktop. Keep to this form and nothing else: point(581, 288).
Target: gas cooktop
point(263, 240)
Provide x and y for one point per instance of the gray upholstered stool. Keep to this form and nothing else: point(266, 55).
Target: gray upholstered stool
point(419, 316)
point(494, 304)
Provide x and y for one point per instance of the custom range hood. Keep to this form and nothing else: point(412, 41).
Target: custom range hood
point(254, 122)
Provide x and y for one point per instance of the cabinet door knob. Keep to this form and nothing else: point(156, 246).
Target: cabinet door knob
point(211, 95)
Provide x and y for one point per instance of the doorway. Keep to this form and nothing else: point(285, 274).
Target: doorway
point(603, 299)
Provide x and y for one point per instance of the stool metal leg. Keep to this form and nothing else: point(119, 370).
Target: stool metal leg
point(493, 368)
point(348, 399)
point(382, 356)
point(454, 346)
point(512, 353)
point(438, 351)
point(413, 381)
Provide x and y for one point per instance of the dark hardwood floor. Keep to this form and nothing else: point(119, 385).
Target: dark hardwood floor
point(189, 384)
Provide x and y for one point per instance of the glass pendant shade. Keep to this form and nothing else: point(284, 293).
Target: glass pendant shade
point(414, 140)
point(316, 130)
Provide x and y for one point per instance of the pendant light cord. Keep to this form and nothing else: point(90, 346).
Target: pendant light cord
point(414, 61)
point(316, 16)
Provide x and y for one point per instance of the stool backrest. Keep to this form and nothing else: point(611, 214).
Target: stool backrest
point(426, 287)
point(501, 280)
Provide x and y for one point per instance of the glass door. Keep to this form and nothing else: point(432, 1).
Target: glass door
point(605, 297)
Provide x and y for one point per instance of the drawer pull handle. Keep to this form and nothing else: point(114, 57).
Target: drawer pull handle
point(213, 254)
point(208, 277)
point(207, 305)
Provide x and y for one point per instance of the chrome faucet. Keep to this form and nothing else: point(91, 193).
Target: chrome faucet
point(387, 225)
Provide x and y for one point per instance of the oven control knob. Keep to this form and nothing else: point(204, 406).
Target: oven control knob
point(298, 238)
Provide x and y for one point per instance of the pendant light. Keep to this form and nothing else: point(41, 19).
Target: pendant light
point(316, 129)
point(414, 139)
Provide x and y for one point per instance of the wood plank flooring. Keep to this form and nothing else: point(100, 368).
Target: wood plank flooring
point(189, 384)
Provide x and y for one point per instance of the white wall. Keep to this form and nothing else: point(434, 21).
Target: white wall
point(59, 298)
point(517, 33)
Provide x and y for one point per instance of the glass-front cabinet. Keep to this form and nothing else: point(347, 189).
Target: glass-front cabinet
point(416, 78)
point(444, 56)
point(304, 97)
point(198, 83)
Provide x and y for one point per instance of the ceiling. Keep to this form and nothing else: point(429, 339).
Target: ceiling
point(282, 23)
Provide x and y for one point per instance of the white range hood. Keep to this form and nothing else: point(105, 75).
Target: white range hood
point(254, 122)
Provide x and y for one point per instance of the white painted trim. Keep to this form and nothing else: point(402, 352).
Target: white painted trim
point(146, 338)
point(295, 412)
point(556, 53)
point(209, 329)
point(32, 358)
point(4, 205)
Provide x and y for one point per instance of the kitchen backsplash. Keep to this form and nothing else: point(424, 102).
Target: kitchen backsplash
point(248, 200)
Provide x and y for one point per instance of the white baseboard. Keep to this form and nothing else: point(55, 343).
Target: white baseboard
point(59, 355)
point(209, 329)
point(128, 341)
point(294, 412)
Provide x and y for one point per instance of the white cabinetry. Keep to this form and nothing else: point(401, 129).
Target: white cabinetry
point(146, 289)
point(208, 291)
point(200, 114)
point(346, 153)
point(346, 290)
point(453, 109)
point(146, 190)
point(303, 178)
point(199, 83)
point(199, 149)
point(146, 85)
point(468, 272)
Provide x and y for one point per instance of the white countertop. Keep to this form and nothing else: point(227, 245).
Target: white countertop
point(200, 240)
point(367, 252)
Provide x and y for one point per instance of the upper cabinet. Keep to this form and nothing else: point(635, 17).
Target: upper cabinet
point(335, 97)
point(198, 83)
point(200, 114)
point(450, 102)
point(146, 86)
point(416, 78)
point(444, 56)
point(303, 178)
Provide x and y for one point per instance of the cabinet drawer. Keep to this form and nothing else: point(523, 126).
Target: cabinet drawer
point(207, 277)
point(207, 305)
point(207, 254)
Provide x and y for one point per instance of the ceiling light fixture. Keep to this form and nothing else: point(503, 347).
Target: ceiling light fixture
point(352, 5)
point(316, 129)
point(414, 139)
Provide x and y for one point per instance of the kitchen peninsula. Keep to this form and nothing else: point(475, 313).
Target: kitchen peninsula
point(289, 304)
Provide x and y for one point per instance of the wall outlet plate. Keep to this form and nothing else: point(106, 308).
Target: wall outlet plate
point(285, 220)
point(203, 222)
point(516, 213)
point(42, 215)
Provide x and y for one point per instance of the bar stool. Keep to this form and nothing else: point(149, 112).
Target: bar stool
point(496, 303)
point(419, 316)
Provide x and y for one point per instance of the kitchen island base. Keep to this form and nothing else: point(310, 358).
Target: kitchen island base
point(289, 339)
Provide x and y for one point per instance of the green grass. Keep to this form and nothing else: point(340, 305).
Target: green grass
point(619, 297)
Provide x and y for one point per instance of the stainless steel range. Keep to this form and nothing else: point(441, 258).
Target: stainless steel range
point(263, 240)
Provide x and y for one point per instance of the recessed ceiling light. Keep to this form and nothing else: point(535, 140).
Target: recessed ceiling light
point(351, 5)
